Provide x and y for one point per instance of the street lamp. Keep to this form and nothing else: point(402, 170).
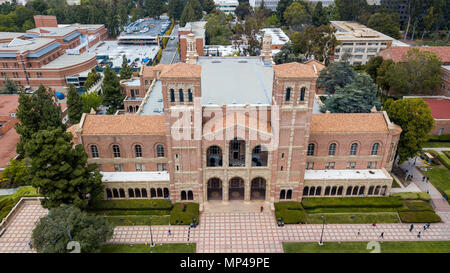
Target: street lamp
point(323, 227)
point(151, 235)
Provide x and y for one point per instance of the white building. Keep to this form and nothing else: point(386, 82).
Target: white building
point(279, 38)
point(361, 42)
point(227, 6)
point(270, 4)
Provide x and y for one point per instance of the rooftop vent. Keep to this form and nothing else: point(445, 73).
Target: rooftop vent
point(216, 62)
point(242, 62)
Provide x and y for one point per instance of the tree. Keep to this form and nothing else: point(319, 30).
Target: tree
point(91, 101)
point(356, 97)
point(74, 105)
point(287, 55)
point(61, 171)
point(350, 10)
point(383, 73)
point(208, 6)
point(334, 76)
point(414, 116)
point(9, 87)
point(332, 12)
point(319, 16)
point(273, 21)
point(296, 15)
point(154, 8)
point(17, 173)
point(61, 225)
point(175, 9)
point(372, 66)
point(36, 112)
point(418, 73)
point(92, 78)
point(112, 95)
point(243, 10)
point(217, 30)
point(191, 12)
point(281, 8)
point(385, 23)
point(125, 72)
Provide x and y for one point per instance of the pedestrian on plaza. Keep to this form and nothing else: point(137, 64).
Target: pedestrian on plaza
point(30, 244)
point(411, 228)
point(262, 208)
point(374, 225)
point(424, 227)
point(170, 232)
point(359, 231)
point(382, 235)
point(418, 235)
point(423, 178)
point(428, 179)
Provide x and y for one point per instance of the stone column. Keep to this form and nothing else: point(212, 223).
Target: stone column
point(225, 190)
point(247, 190)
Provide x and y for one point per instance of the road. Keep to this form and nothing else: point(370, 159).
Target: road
point(170, 53)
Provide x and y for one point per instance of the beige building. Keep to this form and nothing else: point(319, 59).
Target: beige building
point(361, 42)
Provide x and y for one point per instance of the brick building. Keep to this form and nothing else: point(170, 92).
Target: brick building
point(237, 128)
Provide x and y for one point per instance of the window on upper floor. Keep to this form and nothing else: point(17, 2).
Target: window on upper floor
point(311, 147)
point(353, 149)
point(160, 150)
point(375, 147)
point(138, 150)
point(172, 95)
point(302, 94)
point(288, 94)
point(116, 150)
point(94, 151)
point(332, 149)
point(190, 97)
point(181, 95)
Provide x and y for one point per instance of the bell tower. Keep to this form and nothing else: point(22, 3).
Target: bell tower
point(266, 52)
point(191, 52)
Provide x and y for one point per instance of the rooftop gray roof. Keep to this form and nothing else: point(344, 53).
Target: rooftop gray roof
point(154, 104)
point(235, 80)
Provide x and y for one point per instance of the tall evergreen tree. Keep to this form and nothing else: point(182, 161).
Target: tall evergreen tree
point(154, 8)
point(192, 12)
point(281, 8)
point(334, 76)
point(125, 72)
point(61, 171)
point(36, 112)
point(112, 95)
point(9, 87)
point(319, 17)
point(74, 105)
point(175, 9)
point(208, 6)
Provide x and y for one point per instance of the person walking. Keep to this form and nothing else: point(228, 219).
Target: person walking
point(423, 178)
point(374, 225)
point(382, 235)
point(418, 235)
point(411, 228)
point(428, 179)
point(170, 233)
point(428, 225)
point(262, 208)
point(359, 231)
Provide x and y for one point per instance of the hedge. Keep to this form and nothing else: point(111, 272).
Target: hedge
point(132, 212)
point(291, 216)
point(291, 205)
point(9, 202)
point(160, 204)
point(412, 196)
point(440, 138)
point(184, 213)
point(362, 202)
point(418, 205)
point(419, 217)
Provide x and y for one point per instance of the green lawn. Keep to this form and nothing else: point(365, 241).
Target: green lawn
point(349, 210)
point(395, 184)
point(164, 248)
point(354, 218)
point(361, 247)
point(436, 145)
point(138, 220)
point(439, 177)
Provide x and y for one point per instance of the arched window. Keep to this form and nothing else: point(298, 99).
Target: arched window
point(340, 189)
point(289, 194)
point(353, 149)
point(130, 109)
point(181, 95)
point(138, 150)
point(214, 156)
point(152, 193)
point(327, 190)
point(115, 193)
point(130, 193)
point(361, 190)
point(172, 95)
point(311, 147)
point(166, 192)
point(138, 193)
point(302, 94)
point(282, 194)
point(94, 151)
point(183, 195)
point(190, 195)
point(121, 193)
point(288, 94)
point(332, 149)
point(305, 191)
point(349, 190)
point(160, 150)
point(159, 192)
point(370, 192)
point(144, 192)
point(190, 95)
point(375, 147)
point(116, 150)
point(259, 156)
point(319, 191)
point(108, 193)
point(312, 191)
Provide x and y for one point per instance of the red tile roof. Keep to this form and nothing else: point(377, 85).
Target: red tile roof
point(349, 123)
point(440, 108)
point(8, 104)
point(298, 70)
point(396, 53)
point(8, 143)
point(236, 118)
point(124, 125)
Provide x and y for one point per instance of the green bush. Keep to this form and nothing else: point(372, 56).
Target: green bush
point(418, 205)
point(419, 217)
point(184, 213)
point(292, 205)
point(9, 202)
point(160, 204)
point(359, 202)
point(132, 212)
point(441, 138)
point(443, 159)
point(412, 196)
point(291, 216)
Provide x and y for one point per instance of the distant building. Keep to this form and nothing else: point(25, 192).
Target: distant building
point(278, 38)
point(270, 4)
point(440, 110)
point(195, 31)
point(144, 31)
point(360, 42)
point(8, 136)
point(227, 6)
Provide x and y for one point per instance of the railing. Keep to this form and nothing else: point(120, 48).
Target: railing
point(10, 215)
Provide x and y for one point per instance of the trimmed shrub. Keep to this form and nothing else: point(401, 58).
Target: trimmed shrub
point(160, 204)
point(291, 216)
point(412, 196)
point(184, 213)
point(291, 205)
point(419, 217)
point(9, 202)
point(132, 212)
point(424, 196)
point(362, 202)
point(443, 159)
point(440, 138)
point(418, 205)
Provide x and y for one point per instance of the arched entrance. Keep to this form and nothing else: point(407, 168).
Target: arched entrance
point(258, 189)
point(214, 189)
point(236, 189)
